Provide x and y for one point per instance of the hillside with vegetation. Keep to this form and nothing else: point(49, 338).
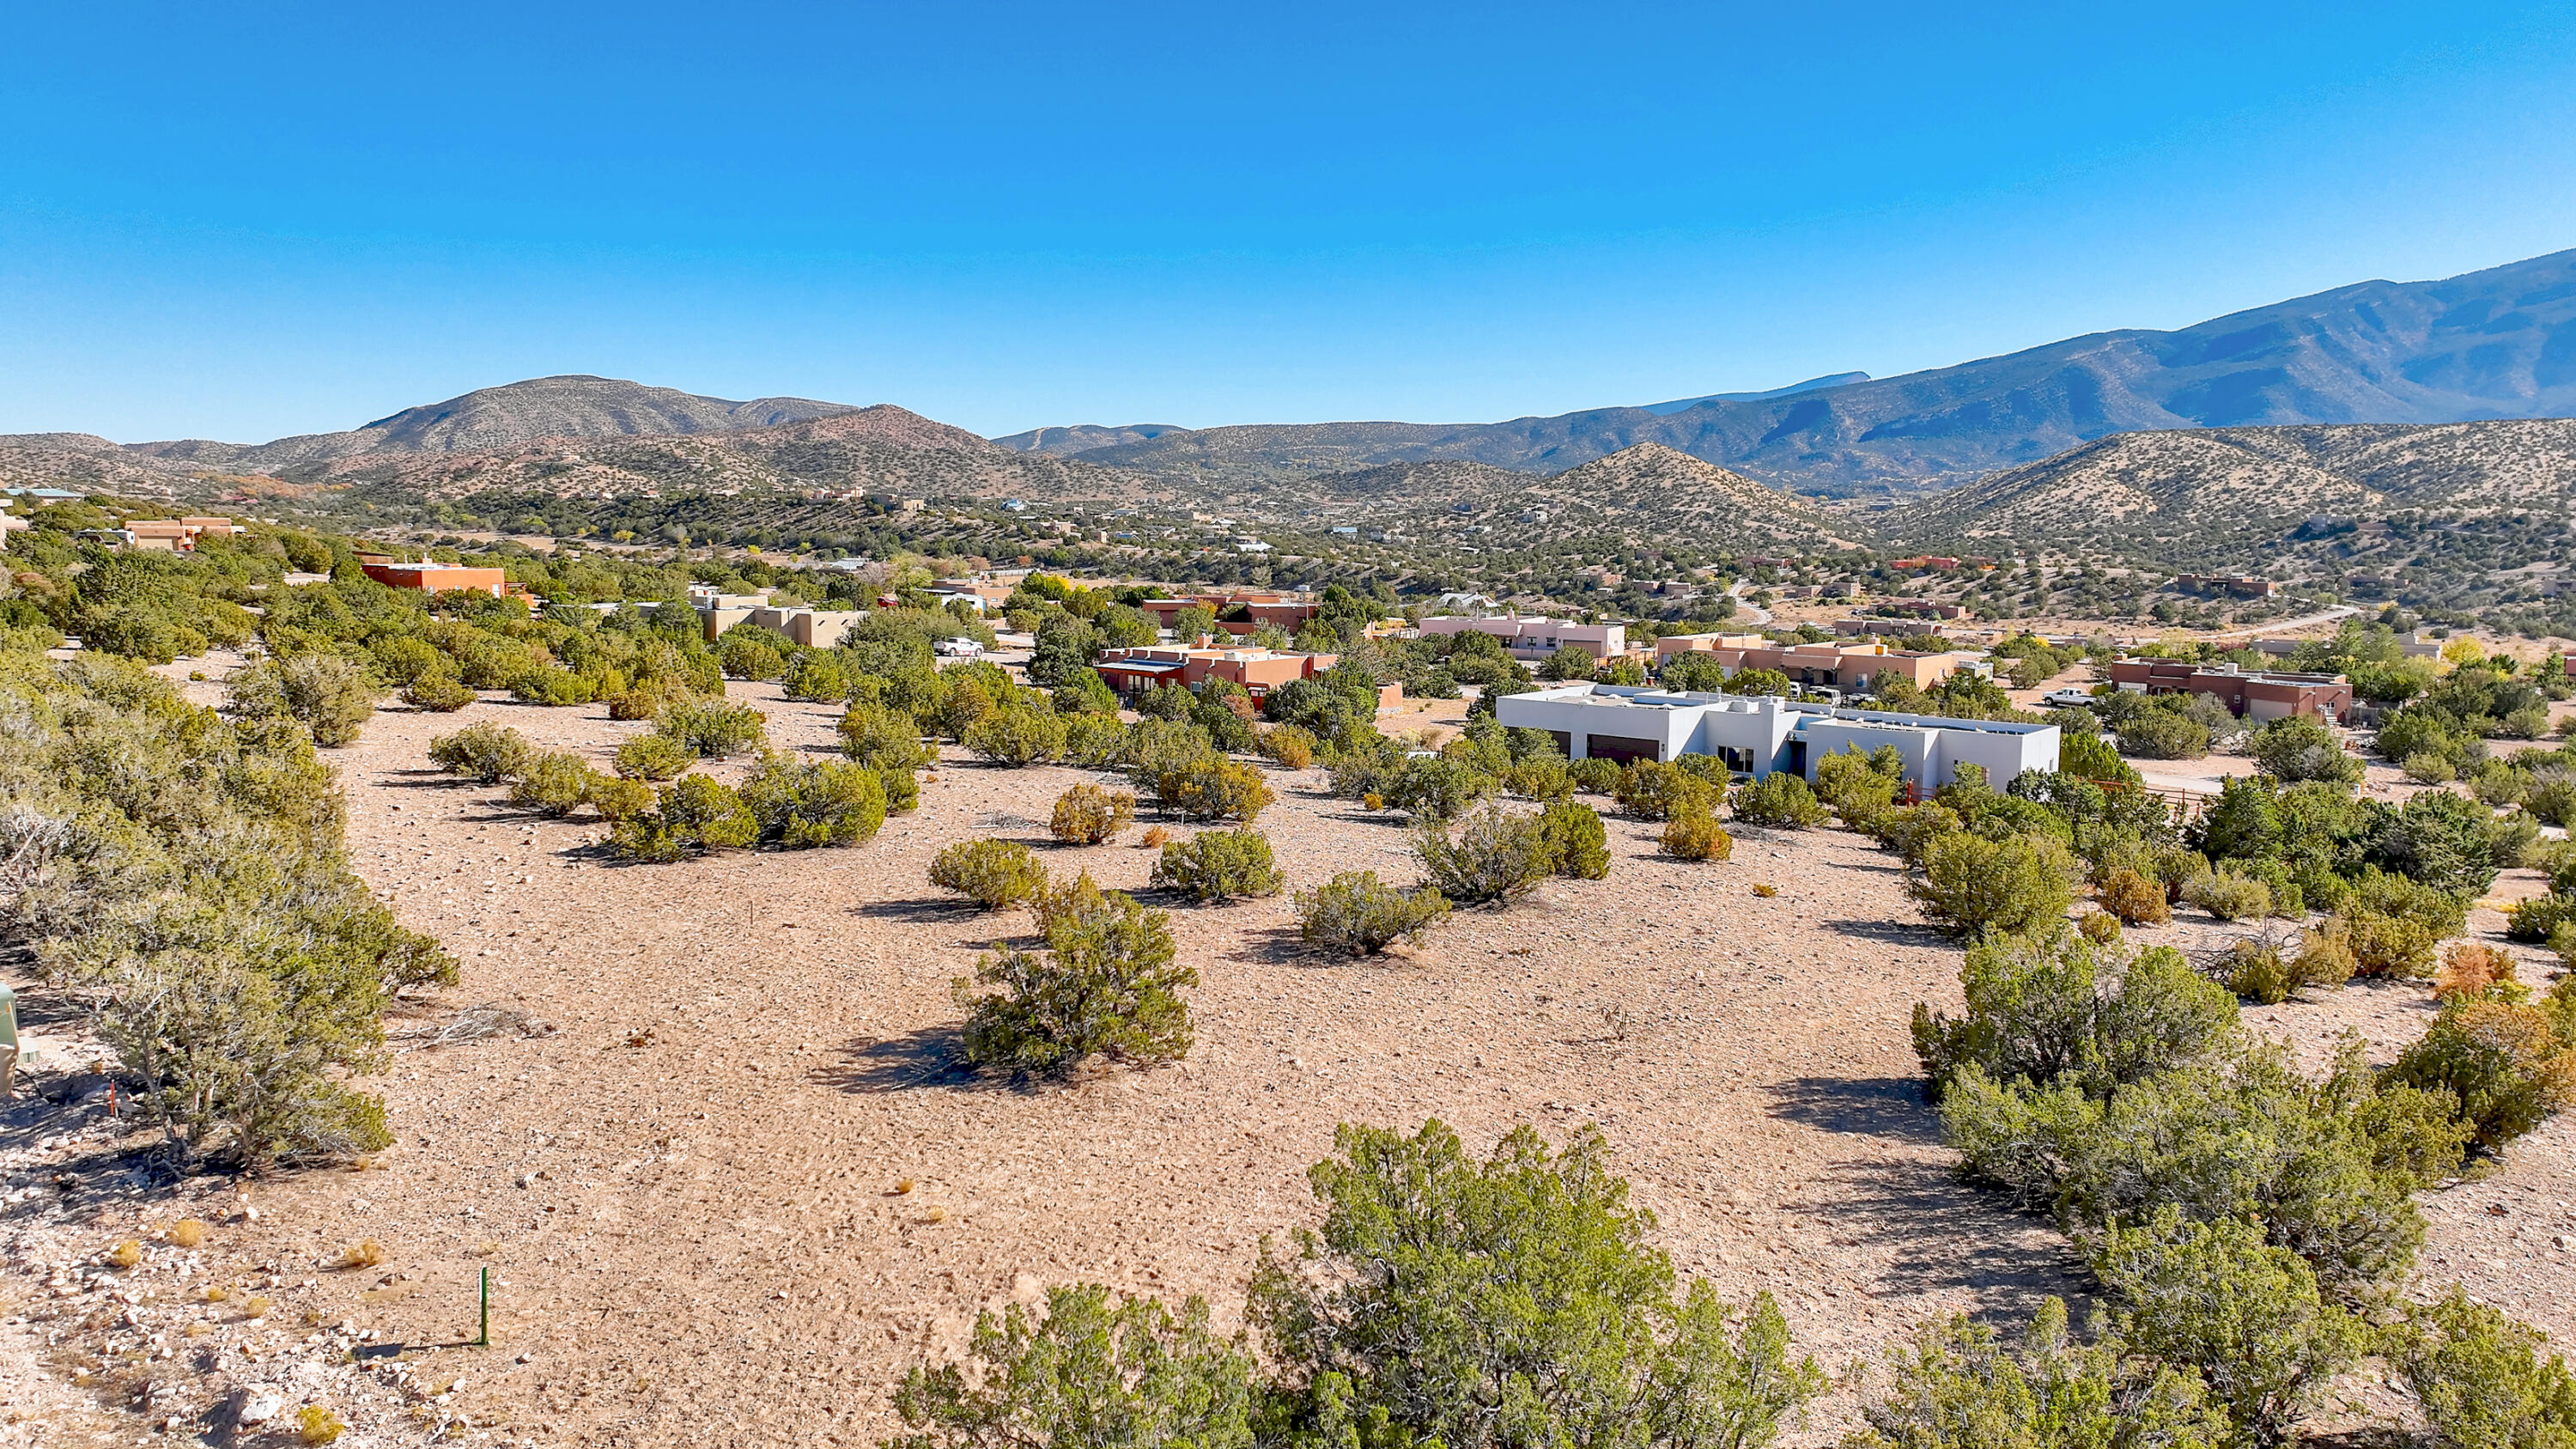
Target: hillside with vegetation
point(508, 416)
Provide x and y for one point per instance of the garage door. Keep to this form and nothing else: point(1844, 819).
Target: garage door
point(1623, 748)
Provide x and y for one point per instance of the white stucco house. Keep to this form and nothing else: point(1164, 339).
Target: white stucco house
point(1756, 735)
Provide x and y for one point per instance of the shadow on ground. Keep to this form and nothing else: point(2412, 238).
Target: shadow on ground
point(1890, 1107)
point(930, 1058)
point(1943, 1237)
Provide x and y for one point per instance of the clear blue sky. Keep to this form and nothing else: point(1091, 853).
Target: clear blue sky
point(240, 221)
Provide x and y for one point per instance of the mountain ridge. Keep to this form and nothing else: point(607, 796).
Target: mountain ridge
point(2494, 343)
point(570, 405)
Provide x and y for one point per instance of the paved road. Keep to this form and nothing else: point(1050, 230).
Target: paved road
point(1753, 614)
point(2282, 626)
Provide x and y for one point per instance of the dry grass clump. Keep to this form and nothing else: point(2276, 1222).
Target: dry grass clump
point(2472, 969)
point(315, 1424)
point(1090, 815)
point(188, 1233)
point(1766, 890)
point(1153, 838)
point(126, 1254)
point(1696, 835)
point(365, 1254)
point(2136, 900)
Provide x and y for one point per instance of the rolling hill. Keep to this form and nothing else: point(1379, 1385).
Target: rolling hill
point(2231, 496)
point(2499, 343)
point(513, 415)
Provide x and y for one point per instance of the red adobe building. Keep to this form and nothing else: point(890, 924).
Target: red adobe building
point(1259, 671)
point(2260, 695)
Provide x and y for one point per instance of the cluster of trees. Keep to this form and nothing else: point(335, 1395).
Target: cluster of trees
point(183, 877)
point(2249, 1226)
point(2440, 732)
point(1478, 1304)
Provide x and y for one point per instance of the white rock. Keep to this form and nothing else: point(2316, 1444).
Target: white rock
point(262, 1406)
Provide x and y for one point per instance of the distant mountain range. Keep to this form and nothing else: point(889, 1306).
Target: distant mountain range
point(2235, 495)
point(2499, 343)
point(2218, 439)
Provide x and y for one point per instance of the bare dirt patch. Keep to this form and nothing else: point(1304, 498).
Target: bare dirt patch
point(681, 1128)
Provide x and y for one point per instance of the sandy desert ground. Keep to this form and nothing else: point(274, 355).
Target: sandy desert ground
point(685, 1175)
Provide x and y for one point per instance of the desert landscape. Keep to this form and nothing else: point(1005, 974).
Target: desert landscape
point(706, 1124)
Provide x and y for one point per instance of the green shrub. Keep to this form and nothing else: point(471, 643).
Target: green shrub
point(1596, 775)
point(884, 739)
point(647, 700)
point(185, 878)
point(2480, 1378)
point(1856, 785)
point(744, 655)
point(1545, 779)
point(556, 782)
point(1653, 791)
point(328, 695)
point(1022, 736)
point(1779, 799)
point(1095, 741)
point(815, 675)
point(548, 685)
point(1212, 787)
point(802, 803)
point(1094, 1359)
point(1912, 830)
point(2163, 734)
point(2060, 1007)
point(1512, 1301)
point(1696, 835)
point(2507, 1068)
point(2134, 899)
point(1220, 865)
point(1577, 843)
point(653, 757)
point(2390, 947)
point(1436, 788)
point(2246, 1315)
point(1356, 912)
point(484, 752)
point(1089, 815)
point(902, 790)
point(1958, 1386)
point(2438, 840)
point(1496, 854)
point(2535, 919)
point(2295, 748)
point(2325, 958)
point(1107, 986)
point(693, 815)
point(2228, 896)
point(437, 691)
point(1971, 885)
point(994, 874)
point(2326, 1169)
point(2427, 768)
point(2099, 927)
point(2440, 913)
point(713, 729)
point(618, 798)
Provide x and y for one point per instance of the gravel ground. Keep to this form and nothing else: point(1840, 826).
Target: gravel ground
point(687, 1169)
